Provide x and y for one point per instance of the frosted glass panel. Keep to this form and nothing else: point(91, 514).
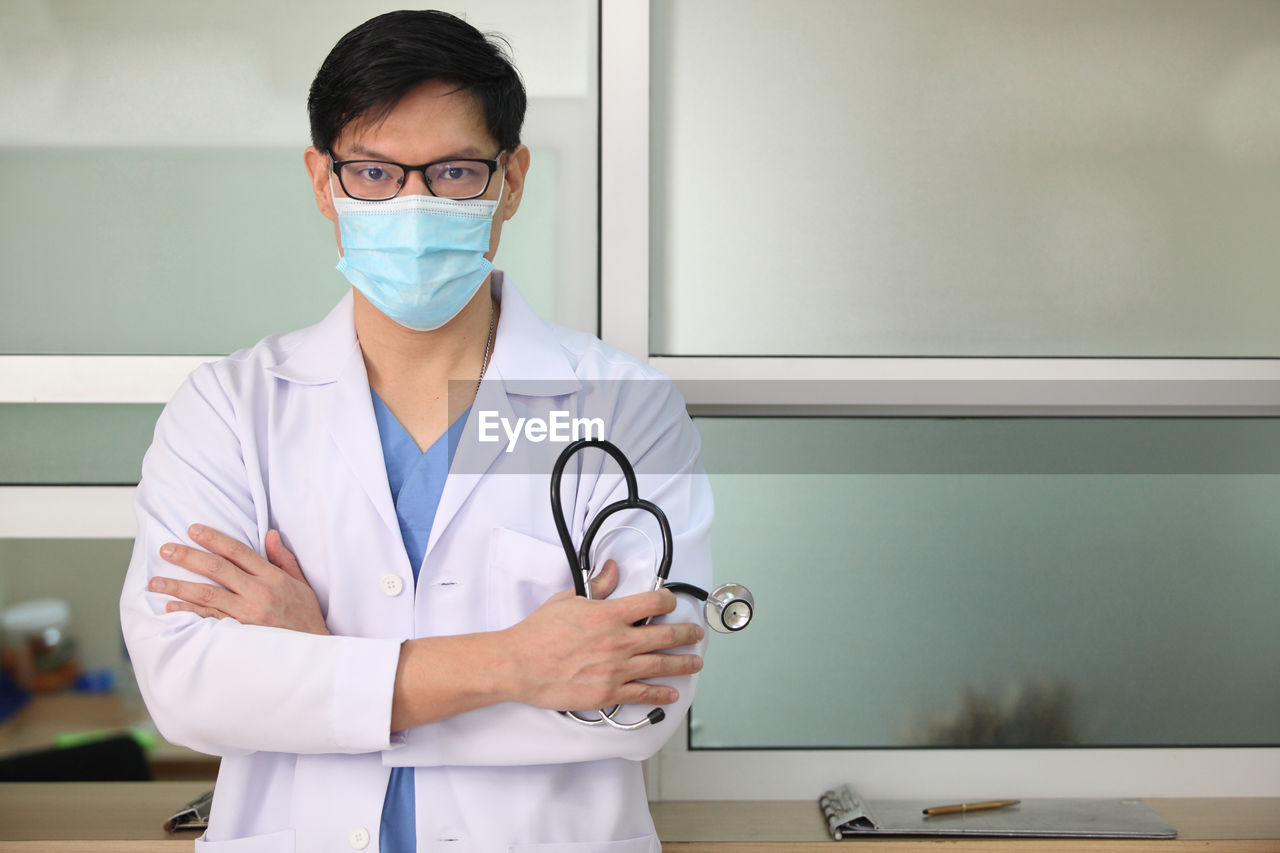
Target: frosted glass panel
point(151, 160)
point(70, 443)
point(965, 177)
point(147, 251)
point(929, 583)
point(191, 251)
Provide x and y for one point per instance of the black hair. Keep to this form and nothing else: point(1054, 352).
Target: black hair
point(379, 62)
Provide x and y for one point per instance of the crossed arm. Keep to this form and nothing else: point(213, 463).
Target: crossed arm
point(570, 653)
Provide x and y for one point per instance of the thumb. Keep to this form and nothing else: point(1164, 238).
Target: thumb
point(282, 557)
point(605, 581)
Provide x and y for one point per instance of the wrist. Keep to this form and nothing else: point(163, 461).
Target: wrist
point(440, 677)
point(505, 682)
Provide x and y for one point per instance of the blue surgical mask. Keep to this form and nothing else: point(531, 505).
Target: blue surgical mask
point(418, 259)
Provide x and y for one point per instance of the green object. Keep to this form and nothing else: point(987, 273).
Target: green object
point(146, 738)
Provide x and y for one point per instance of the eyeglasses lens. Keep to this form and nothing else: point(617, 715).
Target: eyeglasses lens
point(372, 180)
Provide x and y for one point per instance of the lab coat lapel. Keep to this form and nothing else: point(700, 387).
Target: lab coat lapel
point(348, 409)
point(527, 360)
point(472, 459)
point(327, 364)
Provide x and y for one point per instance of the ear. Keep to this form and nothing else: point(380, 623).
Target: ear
point(517, 168)
point(317, 163)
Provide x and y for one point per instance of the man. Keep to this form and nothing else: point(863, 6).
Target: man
point(400, 635)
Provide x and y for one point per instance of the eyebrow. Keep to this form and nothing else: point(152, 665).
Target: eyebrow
point(470, 152)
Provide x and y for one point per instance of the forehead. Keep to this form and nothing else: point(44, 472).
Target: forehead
point(433, 121)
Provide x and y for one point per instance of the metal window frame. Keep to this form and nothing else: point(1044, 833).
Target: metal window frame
point(902, 386)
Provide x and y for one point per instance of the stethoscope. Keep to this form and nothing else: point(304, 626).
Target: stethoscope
point(726, 609)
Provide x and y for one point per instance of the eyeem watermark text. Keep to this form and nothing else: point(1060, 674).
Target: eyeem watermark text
point(559, 427)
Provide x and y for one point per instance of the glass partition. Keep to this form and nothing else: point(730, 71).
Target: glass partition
point(156, 200)
point(73, 443)
point(193, 251)
point(986, 582)
point(964, 178)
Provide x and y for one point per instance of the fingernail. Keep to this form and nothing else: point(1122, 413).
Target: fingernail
point(701, 633)
point(672, 696)
point(156, 585)
point(167, 550)
point(196, 531)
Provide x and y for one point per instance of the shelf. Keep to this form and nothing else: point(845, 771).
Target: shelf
point(67, 512)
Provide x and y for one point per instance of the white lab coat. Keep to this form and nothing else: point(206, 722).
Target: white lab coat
point(283, 436)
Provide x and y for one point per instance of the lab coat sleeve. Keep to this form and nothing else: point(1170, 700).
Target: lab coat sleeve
point(518, 734)
point(218, 686)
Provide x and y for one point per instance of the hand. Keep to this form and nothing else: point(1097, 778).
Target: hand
point(271, 592)
point(576, 654)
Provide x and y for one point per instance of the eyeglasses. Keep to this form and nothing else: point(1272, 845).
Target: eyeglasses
point(379, 180)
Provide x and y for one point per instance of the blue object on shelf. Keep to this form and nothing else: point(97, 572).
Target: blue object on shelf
point(95, 681)
point(12, 697)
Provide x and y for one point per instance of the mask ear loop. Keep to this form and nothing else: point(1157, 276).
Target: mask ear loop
point(502, 184)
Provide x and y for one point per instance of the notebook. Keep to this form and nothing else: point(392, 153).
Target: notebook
point(851, 816)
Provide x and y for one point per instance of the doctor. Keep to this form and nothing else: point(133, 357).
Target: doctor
point(339, 587)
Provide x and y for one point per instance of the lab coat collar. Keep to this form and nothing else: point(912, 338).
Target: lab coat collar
point(527, 357)
point(323, 349)
point(527, 360)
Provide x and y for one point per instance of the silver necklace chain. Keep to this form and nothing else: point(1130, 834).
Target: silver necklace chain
point(488, 346)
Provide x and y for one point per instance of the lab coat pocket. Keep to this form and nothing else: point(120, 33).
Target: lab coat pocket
point(643, 844)
point(522, 573)
point(275, 842)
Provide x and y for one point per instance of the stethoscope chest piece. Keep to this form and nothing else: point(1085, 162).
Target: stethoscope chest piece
point(729, 608)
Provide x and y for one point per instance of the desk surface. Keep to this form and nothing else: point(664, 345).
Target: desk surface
point(49, 715)
point(106, 818)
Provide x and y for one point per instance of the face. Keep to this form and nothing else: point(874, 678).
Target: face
point(433, 122)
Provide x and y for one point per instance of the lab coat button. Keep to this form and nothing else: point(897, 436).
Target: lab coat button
point(359, 838)
point(392, 585)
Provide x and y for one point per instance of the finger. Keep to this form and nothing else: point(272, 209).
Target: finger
point(605, 581)
point(203, 563)
point(654, 638)
point(227, 547)
point(662, 666)
point(282, 557)
point(182, 606)
point(639, 693)
point(200, 594)
point(635, 608)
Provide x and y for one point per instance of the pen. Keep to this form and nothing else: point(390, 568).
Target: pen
point(960, 808)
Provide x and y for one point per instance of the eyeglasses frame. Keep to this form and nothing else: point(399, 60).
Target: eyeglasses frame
point(336, 166)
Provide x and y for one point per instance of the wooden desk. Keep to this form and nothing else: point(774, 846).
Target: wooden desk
point(48, 715)
point(125, 817)
point(1217, 825)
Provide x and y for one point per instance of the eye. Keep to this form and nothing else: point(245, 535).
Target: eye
point(458, 178)
point(371, 172)
point(455, 172)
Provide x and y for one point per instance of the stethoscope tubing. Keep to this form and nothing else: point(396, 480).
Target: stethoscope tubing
point(580, 560)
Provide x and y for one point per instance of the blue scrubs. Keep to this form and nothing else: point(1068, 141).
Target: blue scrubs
point(417, 481)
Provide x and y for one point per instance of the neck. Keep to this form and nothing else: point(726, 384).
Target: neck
point(427, 379)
